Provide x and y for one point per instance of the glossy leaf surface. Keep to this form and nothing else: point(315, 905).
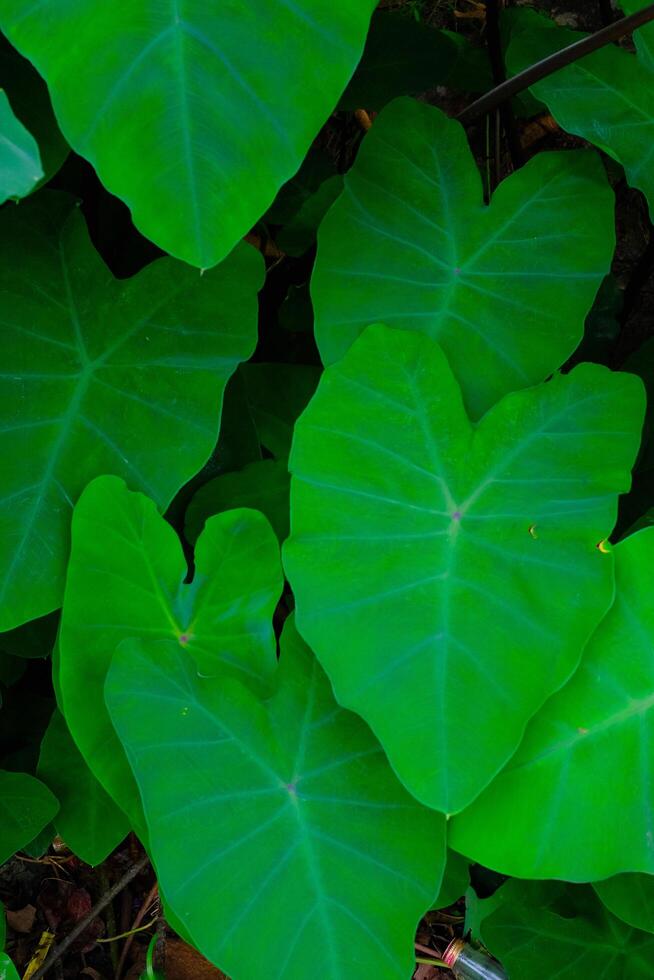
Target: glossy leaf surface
point(26, 806)
point(606, 97)
point(126, 578)
point(88, 820)
point(410, 243)
point(428, 555)
point(263, 486)
point(288, 804)
point(20, 163)
point(564, 823)
point(630, 897)
point(101, 375)
point(176, 105)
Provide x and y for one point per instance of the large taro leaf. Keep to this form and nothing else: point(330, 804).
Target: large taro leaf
point(20, 163)
point(126, 578)
point(26, 806)
point(447, 574)
point(504, 289)
point(193, 113)
point(88, 820)
point(280, 819)
point(101, 375)
point(564, 823)
point(630, 897)
point(606, 97)
point(573, 939)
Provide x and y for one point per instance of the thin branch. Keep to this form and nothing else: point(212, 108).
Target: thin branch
point(108, 897)
point(554, 62)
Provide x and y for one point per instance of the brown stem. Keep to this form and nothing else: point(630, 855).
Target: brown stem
point(108, 897)
point(554, 62)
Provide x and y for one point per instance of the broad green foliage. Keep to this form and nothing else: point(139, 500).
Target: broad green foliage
point(28, 95)
point(540, 943)
point(280, 819)
point(263, 485)
point(26, 806)
point(405, 57)
point(447, 575)
point(303, 202)
point(20, 164)
point(88, 820)
point(504, 289)
point(126, 577)
point(630, 897)
point(7, 968)
point(101, 375)
point(179, 107)
point(456, 879)
point(606, 97)
point(277, 394)
point(564, 822)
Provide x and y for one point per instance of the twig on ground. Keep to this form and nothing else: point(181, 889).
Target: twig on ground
point(142, 912)
point(108, 896)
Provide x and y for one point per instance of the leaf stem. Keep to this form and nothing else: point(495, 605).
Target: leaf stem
point(554, 62)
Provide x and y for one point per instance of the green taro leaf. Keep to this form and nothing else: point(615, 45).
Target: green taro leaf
point(30, 102)
point(263, 485)
point(536, 943)
point(564, 822)
point(193, 113)
point(277, 394)
point(456, 879)
point(504, 289)
point(406, 57)
point(606, 97)
point(630, 897)
point(101, 375)
point(26, 806)
point(126, 577)
point(286, 805)
point(20, 163)
point(88, 820)
point(7, 969)
point(447, 574)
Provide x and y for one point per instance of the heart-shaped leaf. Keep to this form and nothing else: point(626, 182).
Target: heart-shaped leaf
point(630, 897)
point(447, 575)
point(88, 820)
point(287, 805)
point(126, 577)
point(607, 97)
point(102, 375)
point(564, 824)
point(26, 806)
point(504, 289)
point(193, 114)
point(20, 163)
